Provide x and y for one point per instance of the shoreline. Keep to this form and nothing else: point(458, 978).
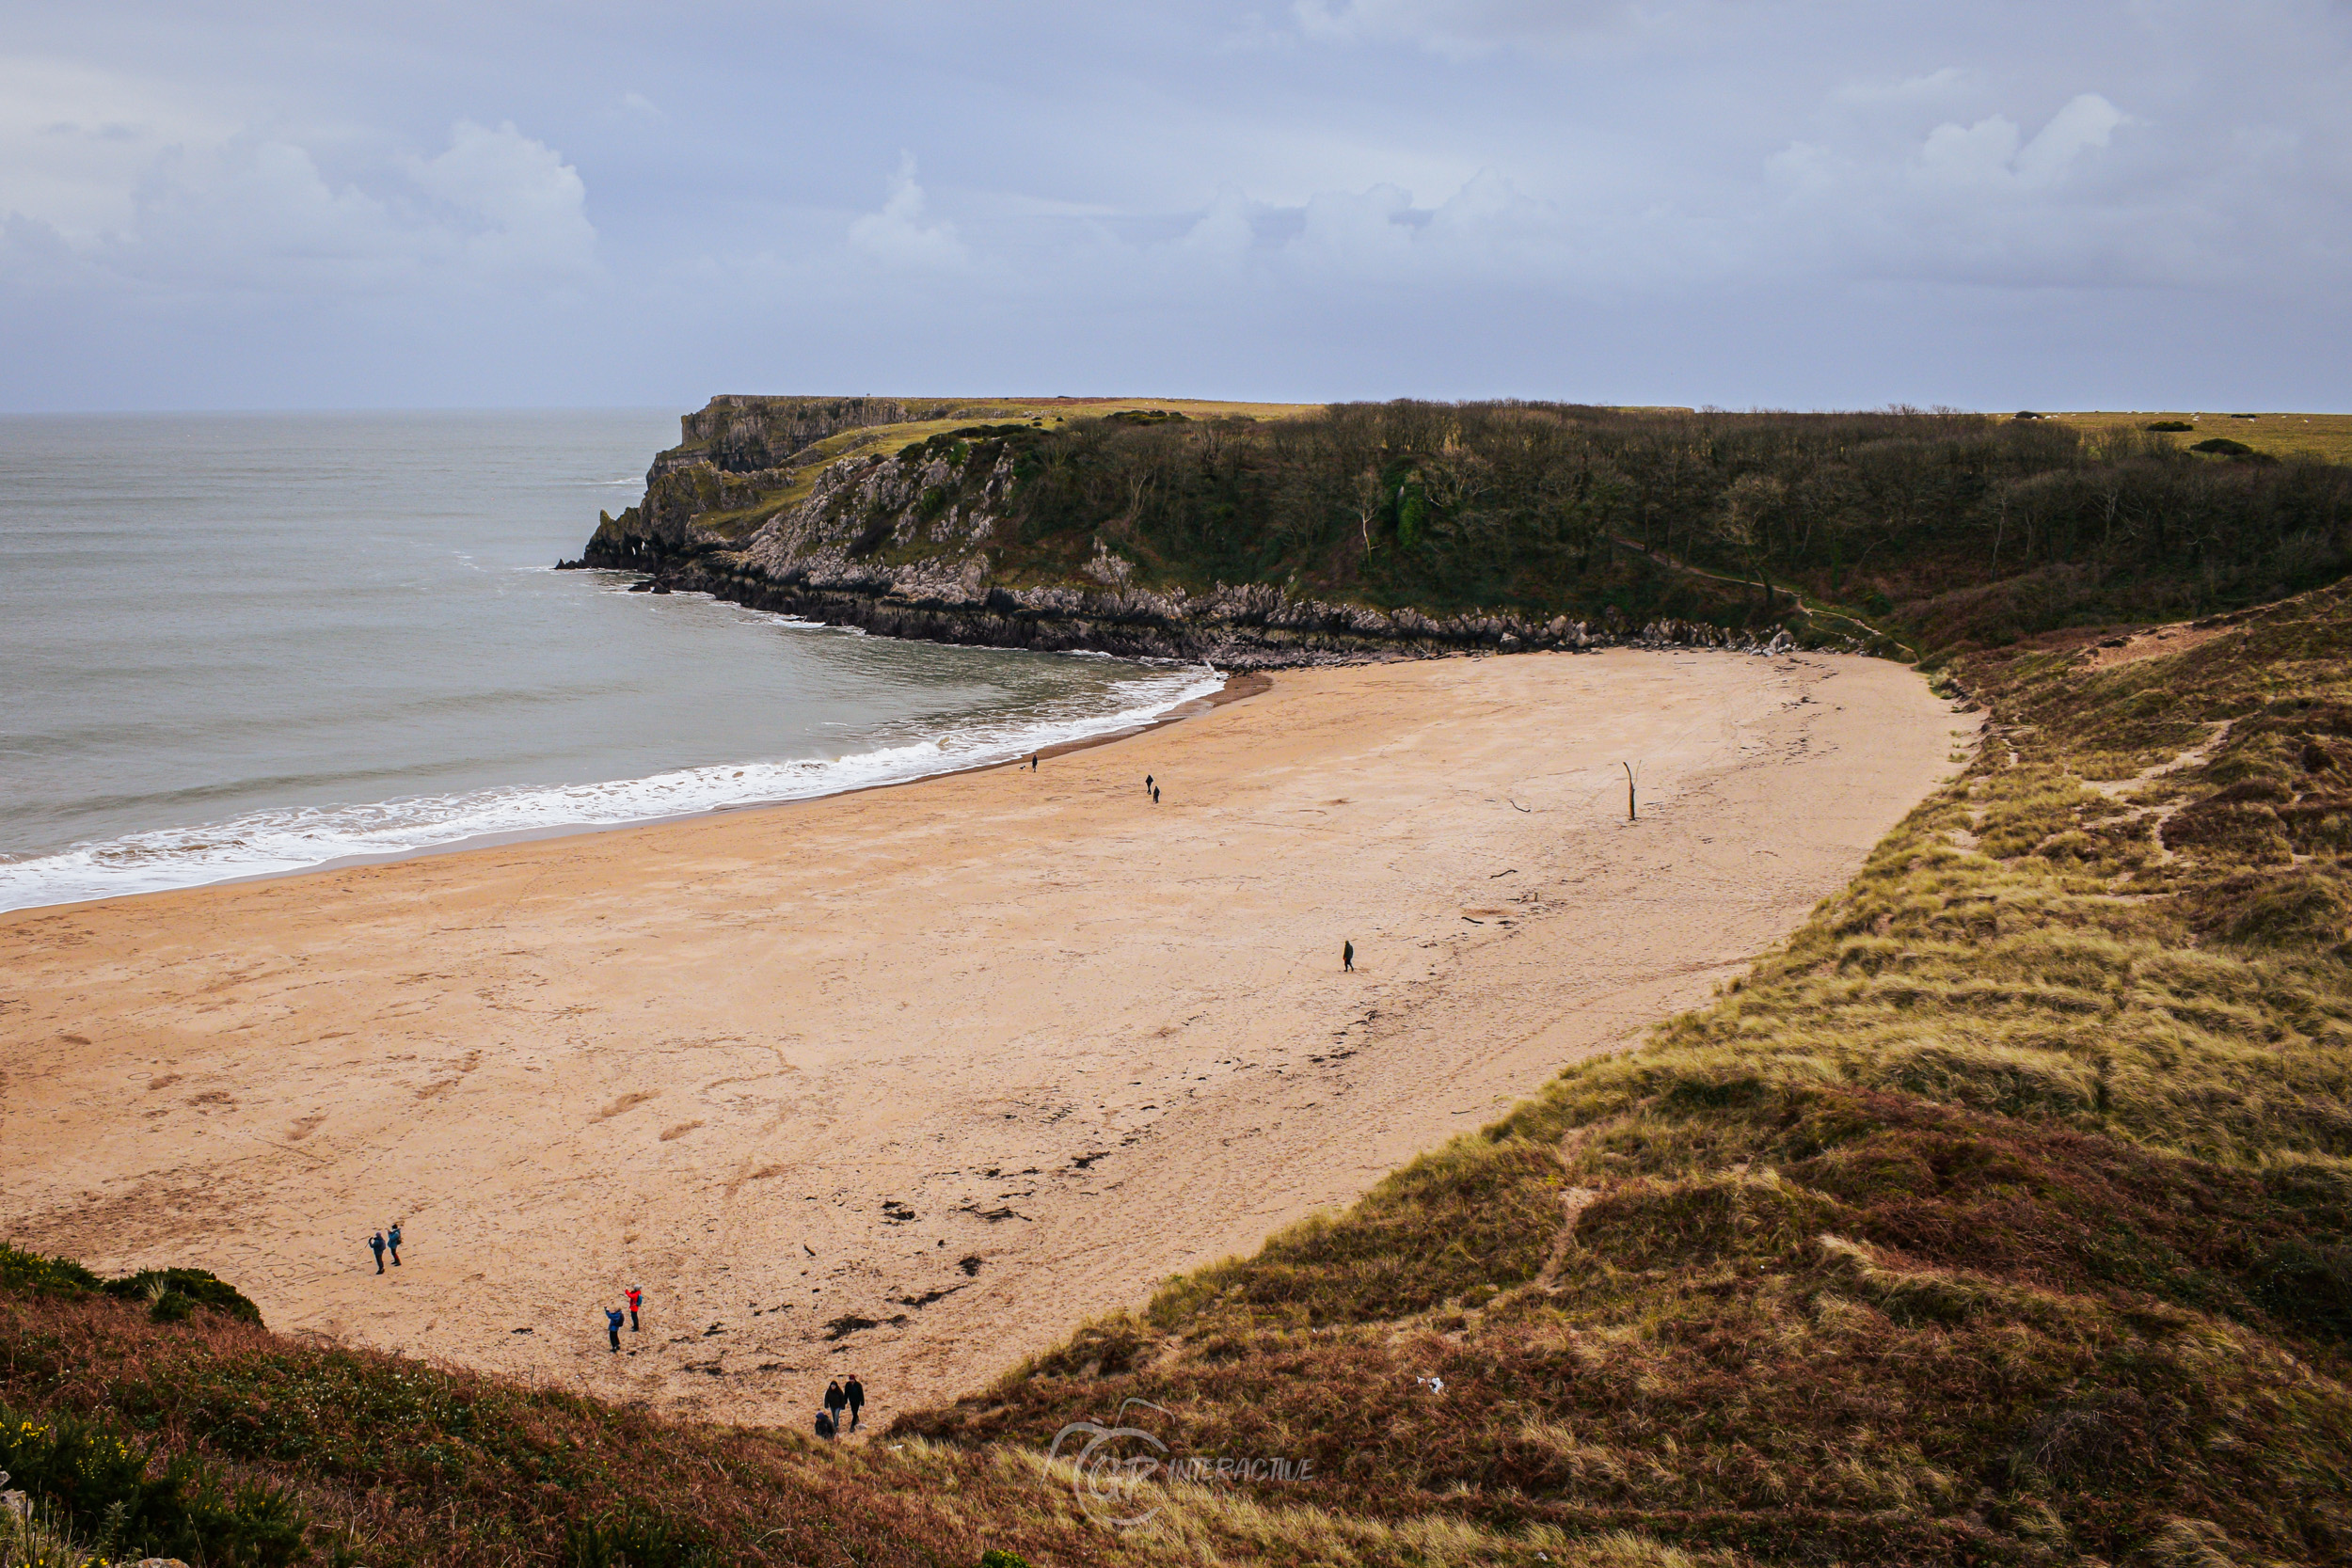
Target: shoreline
point(1238, 688)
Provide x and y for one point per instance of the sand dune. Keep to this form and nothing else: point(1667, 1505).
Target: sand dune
point(911, 1082)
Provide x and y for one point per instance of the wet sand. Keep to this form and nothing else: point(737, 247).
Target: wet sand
point(913, 1081)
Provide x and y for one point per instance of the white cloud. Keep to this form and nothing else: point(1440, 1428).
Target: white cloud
point(1463, 29)
point(524, 206)
point(2084, 124)
point(1988, 153)
point(247, 213)
point(898, 236)
point(1224, 234)
point(1978, 154)
point(1357, 231)
point(1935, 87)
point(257, 214)
point(75, 141)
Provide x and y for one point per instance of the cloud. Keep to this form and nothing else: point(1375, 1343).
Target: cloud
point(897, 237)
point(1988, 153)
point(1463, 30)
point(1373, 194)
point(75, 140)
point(524, 207)
point(1224, 234)
point(2084, 124)
point(257, 213)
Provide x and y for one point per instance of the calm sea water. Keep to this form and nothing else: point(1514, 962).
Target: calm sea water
point(232, 645)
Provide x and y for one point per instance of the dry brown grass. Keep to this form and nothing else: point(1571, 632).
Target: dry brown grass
point(2005, 1216)
point(2324, 437)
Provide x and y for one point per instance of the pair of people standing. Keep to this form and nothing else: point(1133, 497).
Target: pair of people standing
point(634, 1298)
point(837, 1399)
point(383, 1242)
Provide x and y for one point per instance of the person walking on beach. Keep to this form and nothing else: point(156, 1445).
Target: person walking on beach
point(854, 1392)
point(1148, 785)
point(1347, 957)
point(636, 1298)
point(834, 1401)
point(1156, 795)
point(1032, 762)
point(375, 1244)
point(612, 1327)
point(391, 1239)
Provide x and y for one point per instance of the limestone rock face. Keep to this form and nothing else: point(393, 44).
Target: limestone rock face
point(742, 435)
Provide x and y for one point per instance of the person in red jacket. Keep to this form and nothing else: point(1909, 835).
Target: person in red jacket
point(636, 1298)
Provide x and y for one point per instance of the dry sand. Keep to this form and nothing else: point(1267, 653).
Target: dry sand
point(790, 1069)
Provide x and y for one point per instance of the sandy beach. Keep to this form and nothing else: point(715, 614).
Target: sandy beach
point(911, 1082)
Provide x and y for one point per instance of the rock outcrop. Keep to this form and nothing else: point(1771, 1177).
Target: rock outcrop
point(911, 544)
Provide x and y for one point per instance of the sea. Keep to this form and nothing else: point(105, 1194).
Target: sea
point(241, 645)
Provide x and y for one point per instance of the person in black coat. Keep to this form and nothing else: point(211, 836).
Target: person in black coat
point(854, 1392)
point(375, 1244)
point(835, 1401)
point(1347, 956)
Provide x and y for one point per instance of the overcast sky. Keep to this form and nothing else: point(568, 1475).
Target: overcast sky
point(1739, 203)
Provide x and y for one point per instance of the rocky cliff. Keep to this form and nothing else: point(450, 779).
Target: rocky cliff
point(926, 542)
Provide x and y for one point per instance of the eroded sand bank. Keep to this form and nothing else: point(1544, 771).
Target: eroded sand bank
point(789, 1069)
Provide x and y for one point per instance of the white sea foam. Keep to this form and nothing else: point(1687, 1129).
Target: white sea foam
point(271, 842)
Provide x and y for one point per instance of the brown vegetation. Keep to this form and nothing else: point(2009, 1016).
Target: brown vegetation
point(2003, 1216)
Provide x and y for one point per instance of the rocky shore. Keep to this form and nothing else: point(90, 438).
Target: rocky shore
point(913, 544)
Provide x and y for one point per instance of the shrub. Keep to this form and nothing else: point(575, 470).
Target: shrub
point(93, 1481)
point(30, 1274)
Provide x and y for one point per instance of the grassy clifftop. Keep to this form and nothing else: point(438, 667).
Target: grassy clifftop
point(2002, 1216)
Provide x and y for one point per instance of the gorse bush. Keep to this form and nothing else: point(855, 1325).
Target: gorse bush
point(101, 1487)
point(172, 1293)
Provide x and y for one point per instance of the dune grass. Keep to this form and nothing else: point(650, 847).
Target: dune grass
point(2002, 1215)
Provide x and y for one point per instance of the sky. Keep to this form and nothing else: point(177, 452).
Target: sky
point(2098, 203)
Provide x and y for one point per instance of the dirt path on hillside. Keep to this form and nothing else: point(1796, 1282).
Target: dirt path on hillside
point(910, 1082)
